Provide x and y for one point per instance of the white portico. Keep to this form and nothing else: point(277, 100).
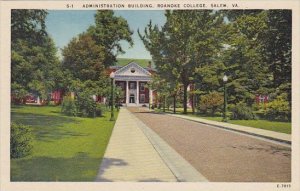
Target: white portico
point(133, 79)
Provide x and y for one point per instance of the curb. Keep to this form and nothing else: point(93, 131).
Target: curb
point(236, 130)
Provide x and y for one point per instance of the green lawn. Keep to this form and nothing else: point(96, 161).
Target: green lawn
point(65, 148)
point(282, 127)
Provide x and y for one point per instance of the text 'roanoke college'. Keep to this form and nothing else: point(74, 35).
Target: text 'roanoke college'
point(160, 5)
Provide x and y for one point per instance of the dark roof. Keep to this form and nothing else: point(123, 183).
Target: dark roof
point(124, 61)
point(144, 63)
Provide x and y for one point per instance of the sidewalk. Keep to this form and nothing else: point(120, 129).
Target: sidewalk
point(136, 153)
point(281, 137)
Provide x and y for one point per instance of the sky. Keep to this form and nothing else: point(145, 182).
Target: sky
point(62, 26)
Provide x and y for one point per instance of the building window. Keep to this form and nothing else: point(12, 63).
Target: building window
point(142, 87)
point(132, 70)
point(142, 97)
point(132, 85)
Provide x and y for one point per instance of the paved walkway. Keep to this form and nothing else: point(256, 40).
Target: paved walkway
point(282, 137)
point(136, 153)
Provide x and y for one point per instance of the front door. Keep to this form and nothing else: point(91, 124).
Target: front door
point(131, 98)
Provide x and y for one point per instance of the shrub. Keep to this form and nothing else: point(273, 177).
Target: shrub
point(86, 105)
point(20, 140)
point(69, 106)
point(278, 109)
point(211, 102)
point(242, 111)
point(100, 109)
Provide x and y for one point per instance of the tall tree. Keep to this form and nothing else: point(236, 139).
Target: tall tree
point(108, 31)
point(259, 55)
point(34, 64)
point(243, 58)
point(28, 25)
point(83, 58)
point(186, 41)
point(87, 57)
point(278, 49)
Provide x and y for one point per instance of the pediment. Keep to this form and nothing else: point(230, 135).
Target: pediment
point(132, 69)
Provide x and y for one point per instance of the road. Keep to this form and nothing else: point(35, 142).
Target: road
point(221, 155)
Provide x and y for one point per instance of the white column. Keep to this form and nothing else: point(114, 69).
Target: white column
point(137, 92)
point(150, 97)
point(127, 92)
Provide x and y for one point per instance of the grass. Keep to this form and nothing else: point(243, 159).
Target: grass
point(64, 149)
point(125, 61)
point(277, 126)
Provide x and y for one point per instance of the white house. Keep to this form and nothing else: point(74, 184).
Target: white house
point(132, 79)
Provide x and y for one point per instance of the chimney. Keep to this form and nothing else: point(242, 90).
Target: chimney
point(149, 64)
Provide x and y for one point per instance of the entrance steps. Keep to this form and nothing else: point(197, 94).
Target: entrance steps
point(136, 105)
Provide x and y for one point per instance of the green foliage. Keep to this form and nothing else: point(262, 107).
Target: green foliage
point(211, 102)
point(83, 58)
point(258, 53)
point(34, 63)
point(109, 30)
point(278, 46)
point(88, 56)
point(20, 140)
point(279, 109)
point(28, 25)
point(100, 109)
point(68, 106)
point(243, 58)
point(242, 111)
point(18, 93)
point(86, 106)
point(188, 40)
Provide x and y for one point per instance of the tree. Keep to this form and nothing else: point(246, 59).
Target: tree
point(108, 31)
point(84, 59)
point(28, 25)
point(160, 86)
point(278, 49)
point(244, 59)
point(258, 58)
point(183, 44)
point(88, 56)
point(34, 64)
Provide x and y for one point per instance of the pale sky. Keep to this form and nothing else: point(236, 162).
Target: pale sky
point(64, 25)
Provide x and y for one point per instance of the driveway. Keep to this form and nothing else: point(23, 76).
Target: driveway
point(221, 155)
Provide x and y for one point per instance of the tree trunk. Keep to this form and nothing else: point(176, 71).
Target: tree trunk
point(164, 104)
point(185, 98)
point(193, 104)
point(197, 103)
point(174, 104)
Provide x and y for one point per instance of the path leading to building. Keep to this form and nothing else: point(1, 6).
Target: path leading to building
point(136, 153)
point(221, 155)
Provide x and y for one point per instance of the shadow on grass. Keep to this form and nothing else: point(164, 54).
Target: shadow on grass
point(47, 127)
point(16, 106)
point(81, 167)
